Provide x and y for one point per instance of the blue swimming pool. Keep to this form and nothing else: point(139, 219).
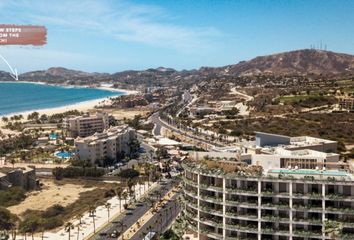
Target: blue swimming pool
point(53, 136)
point(63, 154)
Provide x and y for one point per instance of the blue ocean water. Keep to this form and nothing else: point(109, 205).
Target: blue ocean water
point(20, 97)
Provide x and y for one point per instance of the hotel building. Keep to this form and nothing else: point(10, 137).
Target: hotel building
point(284, 189)
point(83, 126)
point(112, 143)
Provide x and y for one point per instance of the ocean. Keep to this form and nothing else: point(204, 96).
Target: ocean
point(18, 97)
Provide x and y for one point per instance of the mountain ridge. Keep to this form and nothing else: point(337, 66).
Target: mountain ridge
point(297, 62)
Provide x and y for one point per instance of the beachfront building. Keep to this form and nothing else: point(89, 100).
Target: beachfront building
point(113, 143)
point(274, 198)
point(83, 126)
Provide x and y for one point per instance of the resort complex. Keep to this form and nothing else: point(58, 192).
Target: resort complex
point(113, 144)
point(283, 194)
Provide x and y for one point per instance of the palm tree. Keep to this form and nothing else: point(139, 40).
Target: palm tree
point(141, 182)
point(131, 184)
point(5, 119)
point(79, 217)
point(92, 211)
point(68, 227)
point(125, 197)
point(150, 202)
point(41, 226)
point(78, 230)
point(108, 207)
point(12, 161)
point(119, 193)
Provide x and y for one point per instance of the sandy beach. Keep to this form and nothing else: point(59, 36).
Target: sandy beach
point(80, 106)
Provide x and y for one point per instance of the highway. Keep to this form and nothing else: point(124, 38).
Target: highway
point(155, 118)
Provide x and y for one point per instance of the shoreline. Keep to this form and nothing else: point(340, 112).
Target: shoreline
point(80, 106)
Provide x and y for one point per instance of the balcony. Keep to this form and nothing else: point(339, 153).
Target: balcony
point(210, 187)
point(212, 199)
point(211, 233)
point(190, 182)
point(242, 228)
point(191, 193)
point(266, 230)
point(240, 216)
point(192, 205)
point(275, 206)
point(308, 195)
point(312, 221)
point(242, 191)
point(307, 208)
point(272, 218)
point(211, 222)
point(211, 211)
point(338, 196)
point(307, 233)
point(339, 210)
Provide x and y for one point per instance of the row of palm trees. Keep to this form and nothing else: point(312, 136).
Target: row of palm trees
point(122, 194)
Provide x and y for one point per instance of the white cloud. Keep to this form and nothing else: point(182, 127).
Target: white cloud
point(120, 20)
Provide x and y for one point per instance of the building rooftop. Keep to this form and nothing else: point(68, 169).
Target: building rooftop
point(106, 134)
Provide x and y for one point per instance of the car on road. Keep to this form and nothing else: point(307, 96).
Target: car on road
point(115, 234)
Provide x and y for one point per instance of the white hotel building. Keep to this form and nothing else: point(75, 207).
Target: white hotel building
point(112, 143)
point(275, 188)
point(83, 126)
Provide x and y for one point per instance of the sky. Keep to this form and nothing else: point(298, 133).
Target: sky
point(117, 35)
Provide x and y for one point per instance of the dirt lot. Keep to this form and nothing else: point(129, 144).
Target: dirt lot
point(52, 193)
point(126, 113)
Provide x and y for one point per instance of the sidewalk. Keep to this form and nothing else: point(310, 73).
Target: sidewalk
point(101, 219)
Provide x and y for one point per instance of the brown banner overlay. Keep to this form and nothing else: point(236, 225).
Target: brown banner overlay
point(22, 35)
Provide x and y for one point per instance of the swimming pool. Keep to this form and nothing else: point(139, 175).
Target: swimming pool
point(63, 154)
point(311, 172)
point(53, 136)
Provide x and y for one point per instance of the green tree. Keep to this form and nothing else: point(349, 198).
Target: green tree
point(58, 173)
point(92, 211)
point(108, 207)
point(68, 227)
point(119, 192)
point(7, 219)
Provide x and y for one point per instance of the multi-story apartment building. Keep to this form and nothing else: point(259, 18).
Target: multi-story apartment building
point(112, 143)
point(228, 199)
point(83, 126)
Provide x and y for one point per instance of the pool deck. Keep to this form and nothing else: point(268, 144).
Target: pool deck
point(335, 173)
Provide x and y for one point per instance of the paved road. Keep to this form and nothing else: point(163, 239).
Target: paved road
point(164, 217)
point(158, 124)
point(130, 216)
